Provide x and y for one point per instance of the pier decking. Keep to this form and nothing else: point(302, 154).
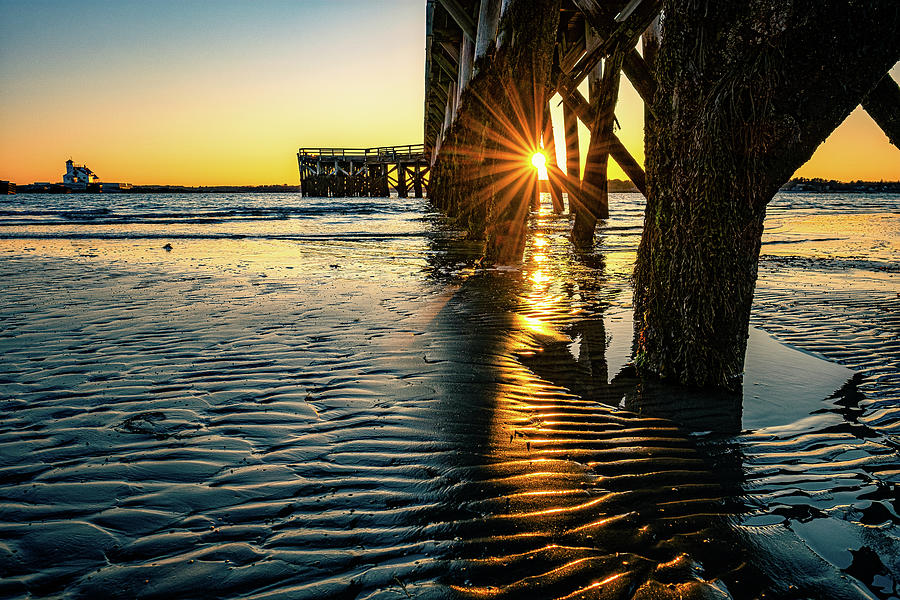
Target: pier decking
point(363, 171)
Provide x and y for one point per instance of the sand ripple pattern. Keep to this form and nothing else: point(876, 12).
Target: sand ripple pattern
point(165, 436)
point(378, 425)
point(160, 439)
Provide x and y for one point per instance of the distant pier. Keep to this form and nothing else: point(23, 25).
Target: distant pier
point(363, 171)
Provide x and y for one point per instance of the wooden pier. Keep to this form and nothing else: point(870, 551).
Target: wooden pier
point(344, 172)
point(737, 96)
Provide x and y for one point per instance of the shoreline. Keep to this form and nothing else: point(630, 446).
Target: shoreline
point(58, 188)
point(796, 185)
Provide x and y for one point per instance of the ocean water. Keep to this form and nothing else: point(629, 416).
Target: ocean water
point(270, 396)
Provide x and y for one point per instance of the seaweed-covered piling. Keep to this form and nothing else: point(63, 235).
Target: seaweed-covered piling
point(482, 173)
point(733, 121)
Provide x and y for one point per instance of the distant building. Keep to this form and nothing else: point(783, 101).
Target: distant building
point(81, 178)
point(78, 176)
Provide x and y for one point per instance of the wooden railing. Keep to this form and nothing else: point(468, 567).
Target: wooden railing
point(380, 154)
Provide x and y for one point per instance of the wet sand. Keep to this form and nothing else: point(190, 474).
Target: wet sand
point(309, 417)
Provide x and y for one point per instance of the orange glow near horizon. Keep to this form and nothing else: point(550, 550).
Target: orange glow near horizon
point(225, 97)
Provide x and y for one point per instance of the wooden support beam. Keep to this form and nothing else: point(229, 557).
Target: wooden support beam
point(577, 103)
point(573, 151)
point(639, 74)
point(445, 65)
point(602, 22)
point(883, 105)
point(451, 52)
point(459, 14)
point(466, 57)
point(594, 184)
point(625, 36)
point(440, 96)
point(402, 187)
point(371, 179)
point(553, 172)
point(429, 37)
point(570, 54)
point(596, 74)
point(572, 41)
point(627, 11)
point(488, 25)
point(418, 176)
point(449, 108)
point(384, 182)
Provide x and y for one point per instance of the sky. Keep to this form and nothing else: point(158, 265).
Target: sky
point(223, 92)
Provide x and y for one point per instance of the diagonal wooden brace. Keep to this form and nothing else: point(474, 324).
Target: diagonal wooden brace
point(580, 106)
point(625, 36)
point(883, 105)
point(634, 66)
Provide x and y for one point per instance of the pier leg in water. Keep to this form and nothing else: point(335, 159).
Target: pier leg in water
point(553, 175)
point(594, 185)
point(484, 164)
point(573, 158)
point(402, 189)
point(732, 126)
point(417, 181)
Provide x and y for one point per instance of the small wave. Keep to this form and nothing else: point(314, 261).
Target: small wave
point(846, 203)
point(123, 214)
point(343, 235)
point(801, 241)
point(50, 212)
point(828, 263)
point(628, 228)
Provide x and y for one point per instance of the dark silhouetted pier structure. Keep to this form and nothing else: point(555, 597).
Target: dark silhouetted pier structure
point(344, 172)
point(595, 41)
point(723, 130)
point(591, 35)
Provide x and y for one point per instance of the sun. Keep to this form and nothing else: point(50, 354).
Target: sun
point(539, 161)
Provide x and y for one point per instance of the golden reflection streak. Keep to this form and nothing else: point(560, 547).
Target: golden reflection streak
point(564, 509)
point(517, 555)
point(547, 491)
point(595, 585)
point(493, 591)
point(573, 492)
point(535, 474)
point(601, 522)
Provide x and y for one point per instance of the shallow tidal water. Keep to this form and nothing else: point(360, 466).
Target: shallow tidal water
point(328, 398)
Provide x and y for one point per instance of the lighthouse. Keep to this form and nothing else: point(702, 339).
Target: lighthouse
point(78, 176)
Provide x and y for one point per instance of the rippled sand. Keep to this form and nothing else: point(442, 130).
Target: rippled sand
point(315, 418)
